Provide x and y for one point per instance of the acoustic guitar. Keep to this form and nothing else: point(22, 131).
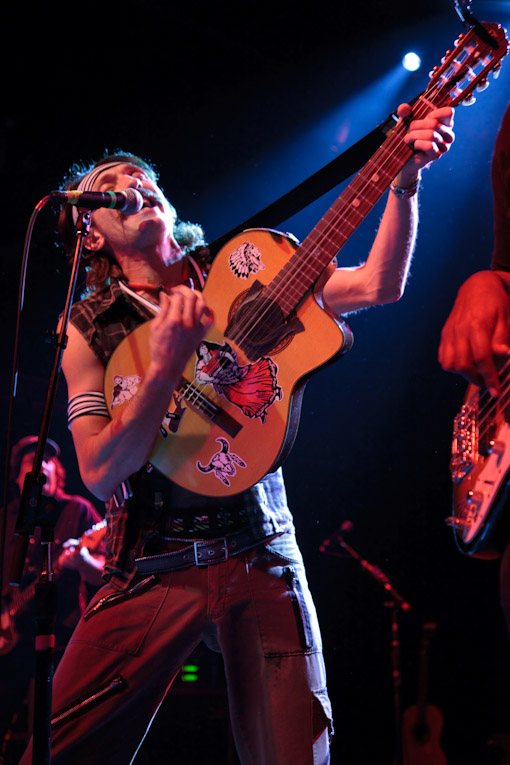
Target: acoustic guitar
point(235, 414)
point(422, 723)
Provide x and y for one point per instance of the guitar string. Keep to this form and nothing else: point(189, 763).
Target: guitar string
point(474, 404)
point(189, 391)
point(487, 405)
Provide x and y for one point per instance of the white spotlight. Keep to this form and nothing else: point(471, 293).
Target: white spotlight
point(411, 62)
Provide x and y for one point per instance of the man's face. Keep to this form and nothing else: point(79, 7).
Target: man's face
point(48, 468)
point(150, 227)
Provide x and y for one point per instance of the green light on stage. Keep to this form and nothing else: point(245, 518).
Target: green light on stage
point(189, 673)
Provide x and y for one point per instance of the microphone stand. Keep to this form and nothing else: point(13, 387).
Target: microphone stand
point(31, 515)
point(397, 603)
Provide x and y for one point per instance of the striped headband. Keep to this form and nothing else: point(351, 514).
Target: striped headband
point(88, 181)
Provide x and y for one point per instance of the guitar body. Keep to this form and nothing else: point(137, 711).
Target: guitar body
point(422, 723)
point(235, 415)
point(480, 469)
point(421, 738)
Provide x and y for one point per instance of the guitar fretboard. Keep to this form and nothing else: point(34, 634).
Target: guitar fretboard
point(342, 219)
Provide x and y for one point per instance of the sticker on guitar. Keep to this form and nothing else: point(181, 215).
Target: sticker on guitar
point(223, 463)
point(124, 389)
point(173, 417)
point(251, 387)
point(246, 260)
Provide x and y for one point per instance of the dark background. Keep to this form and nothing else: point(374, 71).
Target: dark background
point(236, 104)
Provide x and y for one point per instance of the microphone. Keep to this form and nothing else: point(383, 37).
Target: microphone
point(128, 202)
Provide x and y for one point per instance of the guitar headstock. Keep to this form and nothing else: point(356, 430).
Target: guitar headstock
point(467, 66)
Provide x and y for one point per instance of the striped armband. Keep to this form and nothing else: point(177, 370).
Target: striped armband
point(89, 402)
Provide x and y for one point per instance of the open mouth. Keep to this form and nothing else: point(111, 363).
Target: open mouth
point(150, 199)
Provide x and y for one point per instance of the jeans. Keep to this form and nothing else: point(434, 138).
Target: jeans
point(254, 607)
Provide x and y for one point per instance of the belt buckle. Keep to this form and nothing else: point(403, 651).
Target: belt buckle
point(209, 543)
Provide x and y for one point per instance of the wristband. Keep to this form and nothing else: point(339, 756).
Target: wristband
point(405, 193)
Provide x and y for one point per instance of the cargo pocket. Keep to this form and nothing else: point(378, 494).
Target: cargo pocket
point(286, 616)
point(119, 619)
point(301, 613)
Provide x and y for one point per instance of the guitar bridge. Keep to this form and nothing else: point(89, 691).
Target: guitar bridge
point(208, 409)
point(464, 443)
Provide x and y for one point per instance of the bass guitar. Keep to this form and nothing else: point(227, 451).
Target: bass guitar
point(480, 469)
point(235, 414)
point(17, 599)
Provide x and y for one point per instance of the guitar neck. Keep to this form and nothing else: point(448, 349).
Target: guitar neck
point(333, 230)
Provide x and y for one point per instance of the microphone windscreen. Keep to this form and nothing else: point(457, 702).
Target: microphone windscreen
point(134, 202)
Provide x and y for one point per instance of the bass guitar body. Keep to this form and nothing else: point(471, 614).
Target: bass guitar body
point(480, 468)
point(235, 414)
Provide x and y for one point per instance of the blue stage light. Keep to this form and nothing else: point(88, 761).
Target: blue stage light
point(411, 61)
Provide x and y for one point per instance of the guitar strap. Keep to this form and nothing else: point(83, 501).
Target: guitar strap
point(325, 179)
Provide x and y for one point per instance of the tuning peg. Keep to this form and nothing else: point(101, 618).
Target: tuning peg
point(483, 85)
point(496, 71)
point(469, 100)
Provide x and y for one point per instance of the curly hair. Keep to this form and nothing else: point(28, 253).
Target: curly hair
point(102, 266)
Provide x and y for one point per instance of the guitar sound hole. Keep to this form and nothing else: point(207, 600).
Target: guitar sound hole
point(257, 324)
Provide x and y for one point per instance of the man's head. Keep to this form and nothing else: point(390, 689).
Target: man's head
point(22, 459)
point(110, 231)
point(501, 192)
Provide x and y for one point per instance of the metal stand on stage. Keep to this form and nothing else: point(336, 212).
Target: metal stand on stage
point(396, 603)
point(33, 512)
